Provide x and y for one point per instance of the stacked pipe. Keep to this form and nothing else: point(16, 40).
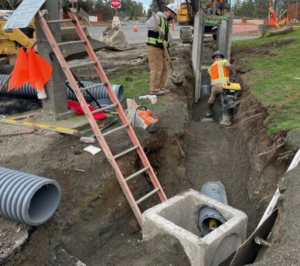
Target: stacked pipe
point(210, 216)
point(98, 93)
point(27, 198)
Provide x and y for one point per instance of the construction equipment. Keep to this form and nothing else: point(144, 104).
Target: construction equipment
point(188, 10)
point(11, 40)
point(212, 224)
point(112, 158)
point(140, 116)
point(227, 98)
point(176, 79)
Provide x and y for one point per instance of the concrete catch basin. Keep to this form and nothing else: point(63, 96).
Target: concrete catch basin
point(178, 217)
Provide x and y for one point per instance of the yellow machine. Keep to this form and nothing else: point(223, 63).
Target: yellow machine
point(229, 95)
point(12, 40)
point(189, 8)
point(184, 14)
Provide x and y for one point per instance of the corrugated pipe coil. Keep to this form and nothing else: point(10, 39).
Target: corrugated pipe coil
point(215, 190)
point(27, 198)
point(97, 92)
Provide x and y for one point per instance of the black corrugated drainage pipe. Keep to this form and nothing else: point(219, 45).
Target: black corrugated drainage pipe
point(215, 190)
point(99, 92)
point(27, 198)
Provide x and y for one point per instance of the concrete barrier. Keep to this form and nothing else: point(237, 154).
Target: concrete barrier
point(178, 217)
point(263, 28)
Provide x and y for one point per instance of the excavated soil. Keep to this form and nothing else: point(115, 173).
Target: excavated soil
point(94, 224)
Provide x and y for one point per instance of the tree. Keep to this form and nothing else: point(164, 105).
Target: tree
point(237, 7)
point(132, 9)
point(248, 9)
point(261, 8)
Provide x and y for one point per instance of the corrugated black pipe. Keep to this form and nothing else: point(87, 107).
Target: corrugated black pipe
point(97, 92)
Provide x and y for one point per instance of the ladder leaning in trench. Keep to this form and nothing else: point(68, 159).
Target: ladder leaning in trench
point(89, 114)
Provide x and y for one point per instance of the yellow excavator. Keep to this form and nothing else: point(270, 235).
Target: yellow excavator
point(12, 40)
point(189, 8)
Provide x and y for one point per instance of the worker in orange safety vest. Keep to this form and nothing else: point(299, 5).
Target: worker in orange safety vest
point(219, 73)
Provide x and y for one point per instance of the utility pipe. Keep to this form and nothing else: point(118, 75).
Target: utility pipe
point(99, 92)
point(208, 215)
point(27, 198)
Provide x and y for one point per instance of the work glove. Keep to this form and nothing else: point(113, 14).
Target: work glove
point(162, 36)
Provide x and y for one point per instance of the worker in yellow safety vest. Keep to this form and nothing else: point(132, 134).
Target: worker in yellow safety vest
point(219, 73)
point(157, 57)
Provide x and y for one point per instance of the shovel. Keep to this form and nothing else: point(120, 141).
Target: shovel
point(175, 79)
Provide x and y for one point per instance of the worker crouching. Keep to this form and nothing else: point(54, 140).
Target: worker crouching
point(219, 74)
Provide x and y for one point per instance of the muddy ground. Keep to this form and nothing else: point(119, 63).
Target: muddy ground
point(94, 224)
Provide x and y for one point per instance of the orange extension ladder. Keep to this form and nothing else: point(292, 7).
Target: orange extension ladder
point(136, 146)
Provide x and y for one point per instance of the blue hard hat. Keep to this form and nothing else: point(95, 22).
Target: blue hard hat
point(217, 53)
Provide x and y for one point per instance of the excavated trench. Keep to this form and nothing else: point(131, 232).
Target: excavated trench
point(94, 223)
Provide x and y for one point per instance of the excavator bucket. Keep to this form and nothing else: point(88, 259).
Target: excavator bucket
point(77, 51)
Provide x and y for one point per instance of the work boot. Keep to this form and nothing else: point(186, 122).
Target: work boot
point(209, 110)
point(158, 92)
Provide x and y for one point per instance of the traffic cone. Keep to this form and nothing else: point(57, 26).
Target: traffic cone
point(135, 28)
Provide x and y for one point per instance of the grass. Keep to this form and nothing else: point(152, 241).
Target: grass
point(137, 86)
point(274, 77)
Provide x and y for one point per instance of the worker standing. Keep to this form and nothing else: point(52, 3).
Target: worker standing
point(219, 73)
point(157, 56)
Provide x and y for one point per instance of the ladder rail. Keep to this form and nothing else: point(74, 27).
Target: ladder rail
point(90, 118)
point(100, 137)
point(120, 110)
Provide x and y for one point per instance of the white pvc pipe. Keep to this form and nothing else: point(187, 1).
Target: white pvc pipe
point(276, 195)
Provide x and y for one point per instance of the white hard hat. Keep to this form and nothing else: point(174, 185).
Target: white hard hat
point(173, 8)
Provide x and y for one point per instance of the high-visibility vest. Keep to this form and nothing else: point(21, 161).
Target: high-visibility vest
point(153, 36)
point(218, 72)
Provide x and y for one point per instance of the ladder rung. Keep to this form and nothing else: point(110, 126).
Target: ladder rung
point(70, 43)
point(114, 130)
point(125, 152)
point(104, 108)
point(137, 173)
point(84, 64)
point(59, 21)
point(94, 86)
point(147, 195)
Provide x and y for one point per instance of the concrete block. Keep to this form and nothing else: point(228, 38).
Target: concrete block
point(263, 28)
point(178, 217)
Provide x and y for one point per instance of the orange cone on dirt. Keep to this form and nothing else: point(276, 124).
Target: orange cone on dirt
point(135, 28)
